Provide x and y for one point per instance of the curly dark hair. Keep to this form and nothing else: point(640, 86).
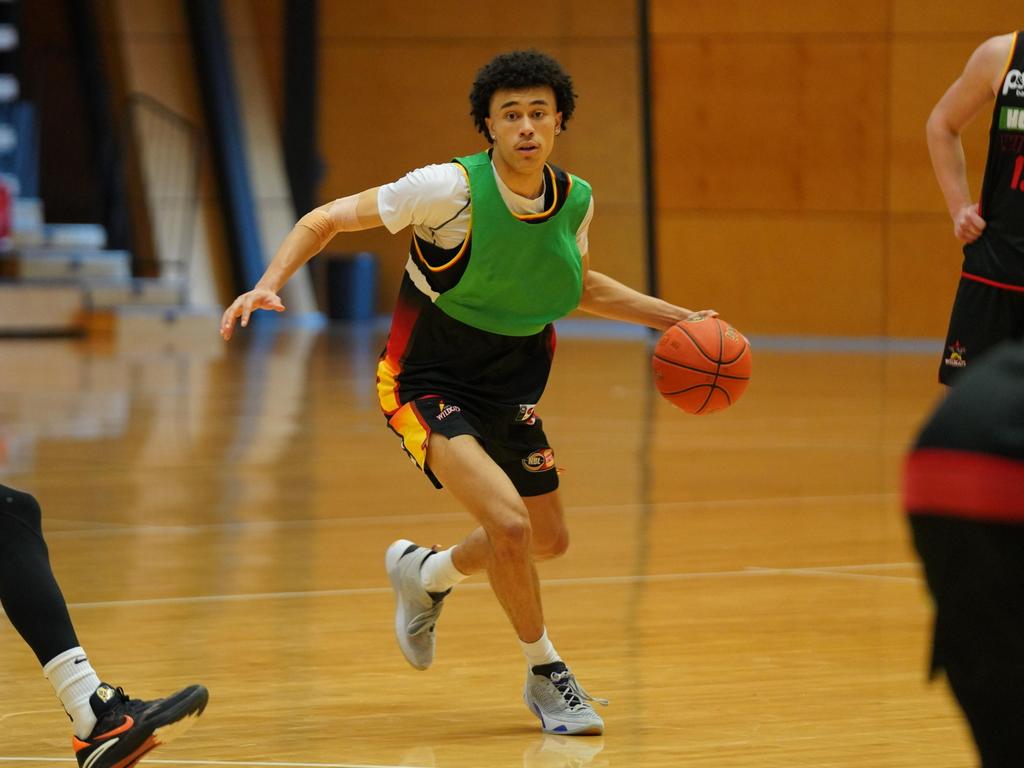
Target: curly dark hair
point(519, 69)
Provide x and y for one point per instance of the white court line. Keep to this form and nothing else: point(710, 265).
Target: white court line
point(29, 712)
point(117, 529)
point(839, 572)
point(261, 764)
point(836, 571)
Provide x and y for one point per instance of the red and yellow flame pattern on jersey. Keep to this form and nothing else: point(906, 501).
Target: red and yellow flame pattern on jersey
point(408, 424)
point(404, 420)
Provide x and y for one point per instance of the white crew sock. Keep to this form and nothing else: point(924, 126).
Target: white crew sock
point(438, 573)
point(74, 683)
point(540, 652)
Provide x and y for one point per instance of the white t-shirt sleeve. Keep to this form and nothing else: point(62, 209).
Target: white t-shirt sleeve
point(583, 233)
point(426, 197)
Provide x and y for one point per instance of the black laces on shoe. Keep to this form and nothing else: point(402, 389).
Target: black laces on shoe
point(575, 696)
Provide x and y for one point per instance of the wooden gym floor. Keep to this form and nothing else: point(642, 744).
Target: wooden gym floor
point(740, 585)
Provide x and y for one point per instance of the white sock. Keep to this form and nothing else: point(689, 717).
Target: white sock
point(540, 652)
point(74, 684)
point(439, 572)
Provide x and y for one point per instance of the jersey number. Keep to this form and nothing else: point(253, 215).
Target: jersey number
point(1018, 170)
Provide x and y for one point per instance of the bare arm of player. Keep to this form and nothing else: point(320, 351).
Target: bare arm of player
point(308, 237)
point(975, 87)
point(609, 298)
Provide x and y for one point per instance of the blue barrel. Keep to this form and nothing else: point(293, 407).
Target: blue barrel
point(351, 286)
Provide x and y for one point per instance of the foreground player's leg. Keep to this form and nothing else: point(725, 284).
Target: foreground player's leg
point(110, 731)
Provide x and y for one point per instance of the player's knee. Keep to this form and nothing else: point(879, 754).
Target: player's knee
point(555, 544)
point(511, 535)
point(19, 510)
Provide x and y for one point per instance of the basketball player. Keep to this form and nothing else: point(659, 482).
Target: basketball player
point(110, 729)
point(964, 490)
point(989, 304)
point(499, 251)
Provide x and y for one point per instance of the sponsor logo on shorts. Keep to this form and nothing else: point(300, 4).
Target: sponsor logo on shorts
point(957, 356)
point(540, 461)
point(526, 413)
point(444, 411)
point(1014, 82)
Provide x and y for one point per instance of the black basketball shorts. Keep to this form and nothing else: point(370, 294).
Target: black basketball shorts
point(983, 315)
point(513, 438)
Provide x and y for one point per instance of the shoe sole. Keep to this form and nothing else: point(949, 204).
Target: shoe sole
point(391, 559)
point(586, 730)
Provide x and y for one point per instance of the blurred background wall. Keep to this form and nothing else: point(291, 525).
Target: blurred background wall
point(792, 186)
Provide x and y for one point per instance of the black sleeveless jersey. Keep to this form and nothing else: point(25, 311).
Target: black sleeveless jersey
point(999, 253)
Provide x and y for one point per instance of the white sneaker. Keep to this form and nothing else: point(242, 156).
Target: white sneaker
point(417, 610)
point(554, 696)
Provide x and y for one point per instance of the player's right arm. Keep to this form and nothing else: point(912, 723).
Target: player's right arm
point(308, 237)
point(963, 100)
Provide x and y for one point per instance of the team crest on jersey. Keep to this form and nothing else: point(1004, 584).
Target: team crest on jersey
point(957, 356)
point(540, 461)
point(1014, 82)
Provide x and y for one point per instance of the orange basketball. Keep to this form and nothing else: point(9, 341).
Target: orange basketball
point(702, 364)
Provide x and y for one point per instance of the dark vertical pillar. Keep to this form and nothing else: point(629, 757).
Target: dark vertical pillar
point(650, 201)
point(227, 138)
point(104, 130)
point(301, 154)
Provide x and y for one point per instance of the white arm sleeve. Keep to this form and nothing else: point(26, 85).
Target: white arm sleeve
point(426, 197)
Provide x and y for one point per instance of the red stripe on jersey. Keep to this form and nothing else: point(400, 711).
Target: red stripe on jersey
point(993, 283)
point(390, 366)
point(964, 484)
point(402, 322)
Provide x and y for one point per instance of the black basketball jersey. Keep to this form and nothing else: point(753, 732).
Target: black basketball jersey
point(999, 254)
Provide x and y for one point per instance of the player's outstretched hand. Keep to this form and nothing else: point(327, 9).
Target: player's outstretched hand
point(704, 313)
point(245, 305)
point(968, 224)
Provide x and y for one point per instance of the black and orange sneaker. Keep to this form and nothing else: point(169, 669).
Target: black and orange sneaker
point(127, 729)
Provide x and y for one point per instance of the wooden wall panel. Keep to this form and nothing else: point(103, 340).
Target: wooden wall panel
point(394, 89)
point(804, 108)
point(912, 185)
point(791, 125)
point(768, 273)
point(268, 19)
point(458, 19)
point(923, 270)
point(722, 18)
point(602, 142)
point(617, 243)
point(978, 19)
point(444, 20)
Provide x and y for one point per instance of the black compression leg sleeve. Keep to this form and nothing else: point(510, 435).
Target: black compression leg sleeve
point(28, 591)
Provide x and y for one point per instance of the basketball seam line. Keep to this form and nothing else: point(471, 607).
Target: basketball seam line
point(701, 370)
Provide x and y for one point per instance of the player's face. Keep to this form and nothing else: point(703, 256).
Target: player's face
point(524, 123)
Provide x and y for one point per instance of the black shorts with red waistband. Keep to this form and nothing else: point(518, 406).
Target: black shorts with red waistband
point(989, 304)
